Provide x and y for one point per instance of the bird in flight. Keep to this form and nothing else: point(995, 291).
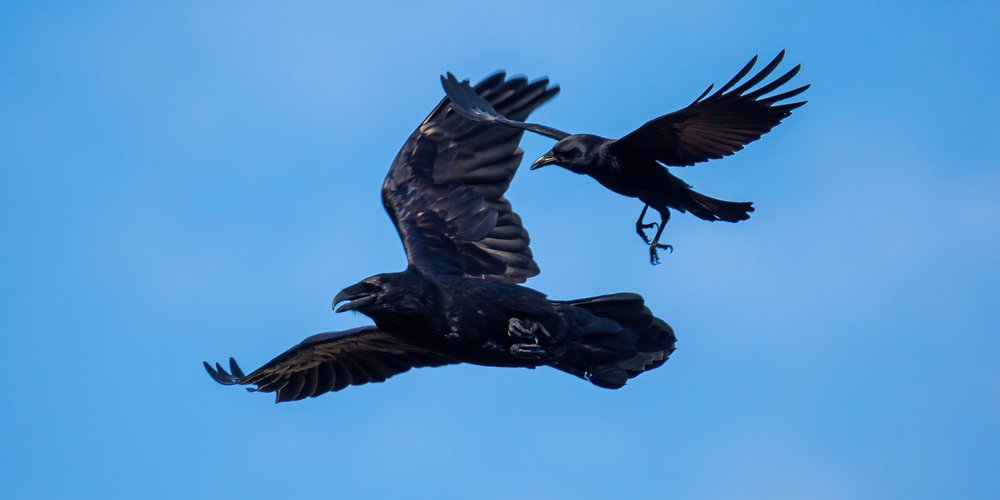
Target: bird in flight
point(459, 298)
point(711, 127)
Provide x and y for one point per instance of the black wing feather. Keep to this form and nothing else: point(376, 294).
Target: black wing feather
point(329, 362)
point(470, 104)
point(716, 126)
point(445, 189)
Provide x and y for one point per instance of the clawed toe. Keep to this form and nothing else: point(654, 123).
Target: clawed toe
point(654, 256)
point(640, 230)
point(521, 330)
point(528, 351)
point(529, 335)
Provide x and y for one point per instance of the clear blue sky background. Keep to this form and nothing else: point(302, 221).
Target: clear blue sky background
point(187, 181)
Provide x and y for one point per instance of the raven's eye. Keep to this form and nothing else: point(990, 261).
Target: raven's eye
point(571, 153)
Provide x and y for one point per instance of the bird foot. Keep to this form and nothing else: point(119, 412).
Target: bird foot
point(528, 351)
point(654, 257)
point(527, 330)
point(520, 330)
point(640, 227)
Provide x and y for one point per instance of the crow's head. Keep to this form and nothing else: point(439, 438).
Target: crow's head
point(577, 153)
point(388, 292)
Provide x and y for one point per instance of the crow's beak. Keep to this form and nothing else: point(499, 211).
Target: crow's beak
point(359, 295)
point(545, 159)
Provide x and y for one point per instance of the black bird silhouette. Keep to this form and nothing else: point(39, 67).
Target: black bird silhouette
point(710, 127)
point(459, 299)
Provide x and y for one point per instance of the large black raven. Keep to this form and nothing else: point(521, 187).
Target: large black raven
point(459, 299)
point(710, 127)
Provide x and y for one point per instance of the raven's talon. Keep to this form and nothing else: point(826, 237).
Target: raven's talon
point(528, 351)
point(522, 330)
point(528, 330)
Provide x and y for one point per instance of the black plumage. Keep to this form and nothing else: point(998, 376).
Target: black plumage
point(459, 299)
point(711, 127)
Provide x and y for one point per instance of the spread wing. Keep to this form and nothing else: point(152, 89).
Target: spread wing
point(445, 189)
point(715, 126)
point(330, 362)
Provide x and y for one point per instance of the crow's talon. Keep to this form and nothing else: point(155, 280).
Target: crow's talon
point(654, 256)
point(639, 229)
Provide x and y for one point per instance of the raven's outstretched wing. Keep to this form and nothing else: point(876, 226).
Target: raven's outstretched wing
point(714, 126)
point(471, 105)
point(330, 362)
point(445, 189)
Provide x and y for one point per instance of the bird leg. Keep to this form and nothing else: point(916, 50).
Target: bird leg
point(654, 257)
point(639, 226)
point(528, 333)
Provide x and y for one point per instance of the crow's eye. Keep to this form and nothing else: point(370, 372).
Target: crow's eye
point(571, 153)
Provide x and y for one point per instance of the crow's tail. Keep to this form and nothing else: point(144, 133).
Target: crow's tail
point(613, 338)
point(708, 208)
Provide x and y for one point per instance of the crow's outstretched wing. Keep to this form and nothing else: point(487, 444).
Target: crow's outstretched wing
point(445, 189)
point(714, 126)
point(330, 362)
point(473, 106)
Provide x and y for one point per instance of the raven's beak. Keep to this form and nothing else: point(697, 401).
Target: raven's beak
point(359, 295)
point(545, 159)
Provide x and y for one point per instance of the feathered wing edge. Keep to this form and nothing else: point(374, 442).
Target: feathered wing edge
point(468, 103)
point(718, 125)
point(445, 190)
point(329, 362)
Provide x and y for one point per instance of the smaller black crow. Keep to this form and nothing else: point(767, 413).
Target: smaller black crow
point(710, 127)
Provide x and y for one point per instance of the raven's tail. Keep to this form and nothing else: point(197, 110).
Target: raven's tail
point(711, 209)
point(612, 338)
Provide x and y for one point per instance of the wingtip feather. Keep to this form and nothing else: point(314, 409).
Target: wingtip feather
point(235, 368)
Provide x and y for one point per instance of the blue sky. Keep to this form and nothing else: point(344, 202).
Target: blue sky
point(186, 181)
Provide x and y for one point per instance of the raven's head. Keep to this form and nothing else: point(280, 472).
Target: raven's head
point(360, 296)
point(397, 293)
point(577, 153)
